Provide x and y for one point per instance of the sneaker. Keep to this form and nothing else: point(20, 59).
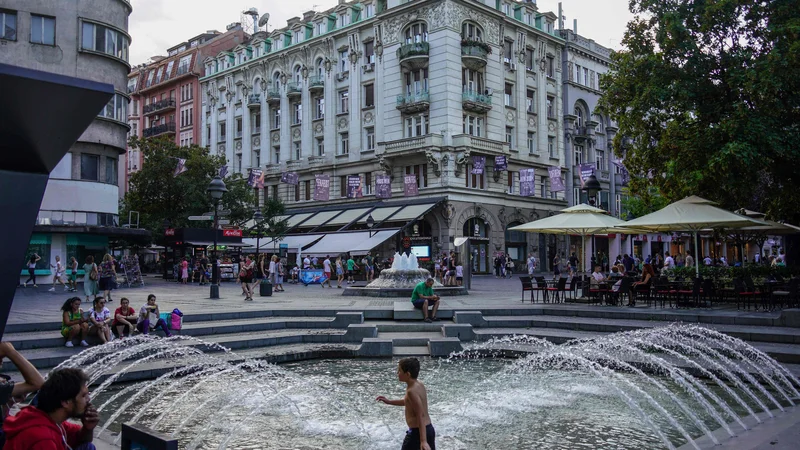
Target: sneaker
point(427, 320)
point(35, 285)
point(69, 344)
point(436, 319)
point(52, 289)
point(84, 344)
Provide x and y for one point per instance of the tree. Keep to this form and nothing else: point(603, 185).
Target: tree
point(634, 206)
point(157, 195)
point(709, 92)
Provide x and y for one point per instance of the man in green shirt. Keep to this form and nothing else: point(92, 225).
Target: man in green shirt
point(351, 269)
point(422, 297)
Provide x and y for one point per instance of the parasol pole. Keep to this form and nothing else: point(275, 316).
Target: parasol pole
point(696, 257)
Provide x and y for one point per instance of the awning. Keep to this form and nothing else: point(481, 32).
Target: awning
point(412, 212)
point(297, 218)
point(294, 242)
point(348, 216)
point(219, 244)
point(200, 244)
point(320, 218)
point(358, 243)
point(379, 214)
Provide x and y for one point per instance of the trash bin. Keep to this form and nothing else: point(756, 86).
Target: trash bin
point(265, 288)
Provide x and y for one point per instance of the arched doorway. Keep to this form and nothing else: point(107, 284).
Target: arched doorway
point(477, 230)
point(516, 244)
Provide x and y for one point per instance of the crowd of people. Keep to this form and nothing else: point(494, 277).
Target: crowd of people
point(448, 269)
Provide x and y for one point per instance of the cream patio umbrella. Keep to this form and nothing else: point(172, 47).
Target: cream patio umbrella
point(580, 219)
point(691, 214)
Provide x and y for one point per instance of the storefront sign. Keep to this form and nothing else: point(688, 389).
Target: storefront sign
point(322, 188)
point(527, 186)
point(478, 163)
point(410, 185)
point(354, 186)
point(383, 186)
point(556, 181)
point(169, 232)
point(232, 233)
point(406, 242)
point(500, 163)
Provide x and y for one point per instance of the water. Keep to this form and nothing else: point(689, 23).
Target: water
point(657, 388)
point(404, 274)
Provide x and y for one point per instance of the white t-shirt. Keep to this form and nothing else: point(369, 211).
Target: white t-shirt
point(59, 269)
point(306, 263)
point(271, 267)
point(669, 263)
point(327, 265)
point(531, 264)
point(459, 271)
point(102, 315)
point(149, 314)
point(598, 276)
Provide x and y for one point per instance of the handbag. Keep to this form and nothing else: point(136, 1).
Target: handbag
point(93, 273)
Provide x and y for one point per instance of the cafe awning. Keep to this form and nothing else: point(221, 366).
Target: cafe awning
point(293, 242)
point(411, 212)
point(356, 243)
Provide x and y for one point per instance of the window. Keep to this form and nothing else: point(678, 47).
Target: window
point(344, 102)
point(507, 9)
point(473, 125)
point(532, 143)
point(116, 109)
point(276, 155)
point(578, 73)
point(184, 65)
point(544, 187)
point(369, 10)
point(508, 52)
point(471, 32)
point(168, 73)
point(510, 182)
point(43, 30)
point(257, 158)
point(237, 164)
point(298, 37)
point(529, 62)
point(551, 71)
point(528, 18)
point(530, 104)
point(319, 108)
point(343, 186)
point(472, 81)
point(368, 183)
point(344, 143)
point(551, 107)
point(276, 118)
point(297, 116)
point(344, 19)
point(551, 147)
point(576, 196)
point(417, 32)
point(475, 181)
point(600, 158)
point(578, 150)
point(111, 171)
point(307, 185)
point(508, 95)
point(319, 28)
point(320, 146)
point(255, 123)
point(343, 62)
point(238, 127)
point(421, 171)
point(417, 81)
point(100, 38)
point(8, 25)
point(370, 134)
point(579, 117)
point(618, 204)
point(369, 52)
point(510, 136)
point(298, 150)
point(417, 125)
point(222, 131)
point(90, 167)
point(369, 95)
point(585, 76)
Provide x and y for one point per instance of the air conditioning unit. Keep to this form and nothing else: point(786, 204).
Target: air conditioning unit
point(512, 67)
point(340, 77)
point(489, 91)
point(368, 67)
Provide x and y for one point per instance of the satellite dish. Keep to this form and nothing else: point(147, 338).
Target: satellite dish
point(262, 22)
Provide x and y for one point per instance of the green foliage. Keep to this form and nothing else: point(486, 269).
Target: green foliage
point(158, 195)
point(753, 271)
point(270, 226)
point(708, 91)
point(634, 206)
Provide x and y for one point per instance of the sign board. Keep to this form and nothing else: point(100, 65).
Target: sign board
point(201, 217)
point(169, 232)
point(222, 212)
point(224, 222)
point(232, 233)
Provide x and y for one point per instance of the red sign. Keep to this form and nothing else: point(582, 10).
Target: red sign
point(612, 235)
point(406, 242)
point(232, 233)
point(169, 232)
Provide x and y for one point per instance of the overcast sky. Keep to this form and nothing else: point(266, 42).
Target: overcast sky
point(156, 25)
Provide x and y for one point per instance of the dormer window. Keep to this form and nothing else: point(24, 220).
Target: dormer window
point(369, 10)
point(319, 28)
point(297, 37)
point(528, 18)
point(507, 9)
point(549, 26)
point(278, 43)
point(209, 69)
point(344, 19)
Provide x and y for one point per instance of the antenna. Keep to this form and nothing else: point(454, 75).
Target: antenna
point(262, 22)
point(249, 20)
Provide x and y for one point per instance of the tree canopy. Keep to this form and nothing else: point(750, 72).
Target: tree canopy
point(707, 98)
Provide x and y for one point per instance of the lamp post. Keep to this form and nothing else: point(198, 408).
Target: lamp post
point(370, 225)
point(257, 218)
point(216, 189)
point(592, 188)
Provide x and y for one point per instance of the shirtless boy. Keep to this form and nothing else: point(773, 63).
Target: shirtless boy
point(416, 404)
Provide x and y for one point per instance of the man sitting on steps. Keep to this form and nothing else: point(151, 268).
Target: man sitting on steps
point(422, 297)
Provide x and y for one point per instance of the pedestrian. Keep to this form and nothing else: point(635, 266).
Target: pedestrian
point(339, 272)
point(351, 270)
point(246, 275)
point(203, 270)
point(370, 267)
point(306, 263)
point(509, 267)
point(459, 274)
point(107, 275)
point(32, 270)
point(416, 407)
point(556, 266)
point(531, 263)
point(497, 265)
point(280, 267)
point(326, 268)
point(184, 270)
point(58, 276)
point(73, 274)
point(90, 277)
point(12, 393)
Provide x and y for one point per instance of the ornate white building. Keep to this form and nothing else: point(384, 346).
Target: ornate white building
point(385, 86)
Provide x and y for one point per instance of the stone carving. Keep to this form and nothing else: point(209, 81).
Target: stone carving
point(501, 216)
point(386, 167)
point(221, 149)
point(318, 128)
point(449, 213)
point(533, 215)
point(434, 162)
point(551, 126)
point(368, 117)
point(256, 141)
point(238, 145)
point(342, 123)
point(531, 121)
point(461, 161)
point(510, 117)
point(296, 133)
point(276, 137)
point(436, 16)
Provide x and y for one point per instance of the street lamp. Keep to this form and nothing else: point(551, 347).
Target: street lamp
point(257, 218)
point(216, 189)
point(370, 225)
point(592, 188)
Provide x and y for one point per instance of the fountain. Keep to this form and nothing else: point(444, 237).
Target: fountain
point(660, 388)
point(401, 279)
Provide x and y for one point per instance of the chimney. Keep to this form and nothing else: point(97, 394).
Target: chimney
point(308, 15)
point(575, 26)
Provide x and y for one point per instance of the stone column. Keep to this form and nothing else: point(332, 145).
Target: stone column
point(286, 131)
point(247, 138)
point(306, 129)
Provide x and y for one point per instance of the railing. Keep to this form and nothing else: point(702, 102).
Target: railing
point(167, 103)
point(159, 129)
point(581, 131)
point(474, 50)
point(254, 100)
point(273, 94)
point(473, 96)
point(184, 68)
point(604, 175)
point(417, 97)
point(485, 144)
point(316, 81)
point(413, 49)
point(294, 87)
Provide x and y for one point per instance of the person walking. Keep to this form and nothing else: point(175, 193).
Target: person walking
point(351, 270)
point(556, 266)
point(327, 269)
point(107, 275)
point(339, 272)
point(370, 267)
point(184, 271)
point(32, 270)
point(90, 277)
point(280, 267)
point(246, 276)
point(531, 264)
point(73, 274)
point(58, 277)
point(420, 435)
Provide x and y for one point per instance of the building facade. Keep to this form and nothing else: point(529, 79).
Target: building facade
point(400, 88)
point(165, 93)
point(85, 39)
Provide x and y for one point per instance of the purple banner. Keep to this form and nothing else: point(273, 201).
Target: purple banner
point(586, 170)
point(624, 174)
point(527, 182)
point(500, 163)
point(290, 178)
point(252, 179)
point(410, 185)
point(322, 188)
point(180, 168)
point(383, 186)
point(354, 186)
point(556, 181)
point(478, 163)
point(223, 171)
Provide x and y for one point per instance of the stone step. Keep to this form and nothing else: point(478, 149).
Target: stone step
point(410, 339)
point(730, 317)
point(410, 351)
point(404, 310)
point(405, 327)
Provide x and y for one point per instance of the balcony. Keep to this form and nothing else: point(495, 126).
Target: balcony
point(412, 145)
point(474, 54)
point(183, 69)
point(413, 56)
point(273, 96)
point(158, 130)
point(316, 83)
point(254, 100)
point(581, 134)
point(483, 145)
point(161, 105)
point(475, 102)
point(294, 89)
point(413, 103)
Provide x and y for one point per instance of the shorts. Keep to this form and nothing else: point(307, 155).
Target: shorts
point(418, 304)
point(327, 275)
point(411, 441)
point(73, 277)
point(247, 280)
point(350, 273)
point(459, 278)
point(339, 272)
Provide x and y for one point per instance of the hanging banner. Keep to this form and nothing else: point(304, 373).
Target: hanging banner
point(290, 178)
point(500, 163)
point(260, 180)
point(253, 177)
point(478, 163)
point(354, 186)
point(586, 170)
point(625, 176)
point(556, 181)
point(383, 186)
point(180, 168)
point(322, 188)
point(410, 185)
point(223, 171)
point(527, 182)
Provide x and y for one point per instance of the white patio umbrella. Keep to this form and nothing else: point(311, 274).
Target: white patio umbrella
point(691, 214)
point(580, 219)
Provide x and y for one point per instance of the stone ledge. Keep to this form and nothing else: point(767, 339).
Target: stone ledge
point(344, 319)
point(462, 331)
point(375, 347)
point(357, 332)
point(443, 347)
point(790, 317)
point(472, 318)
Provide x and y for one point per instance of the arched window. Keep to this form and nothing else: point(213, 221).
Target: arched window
point(579, 114)
point(276, 80)
point(298, 74)
point(320, 67)
point(476, 227)
point(471, 31)
point(416, 32)
point(601, 126)
point(257, 86)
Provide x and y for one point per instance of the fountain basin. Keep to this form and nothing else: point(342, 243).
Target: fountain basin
point(368, 291)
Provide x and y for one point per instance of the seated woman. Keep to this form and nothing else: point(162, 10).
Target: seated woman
point(644, 285)
point(123, 316)
point(149, 318)
point(72, 321)
point(100, 318)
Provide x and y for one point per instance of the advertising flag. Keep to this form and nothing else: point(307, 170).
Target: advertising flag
point(556, 180)
point(252, 179)
point(180, 168)
point(383, 186)
point(354, 186)
point(290, 178)
point(527, 186)
point(223, 171)
point(260, 179)
point(624, 174)
point(478, 163)
point(322, 188)
point(410, 185)
point(500, 163)
point(586, 170)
